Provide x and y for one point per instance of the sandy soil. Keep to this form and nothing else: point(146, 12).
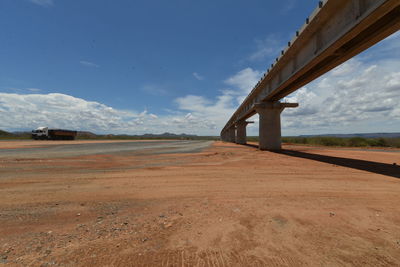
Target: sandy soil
point(229, 205)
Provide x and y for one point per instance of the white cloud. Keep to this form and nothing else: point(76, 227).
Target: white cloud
point(45, 3)
point(59, 110)
point(198, 76)
point(88, 64)
point(355, 93)
point(346, 68)
point(266, 48)
point(192, 102)
point(244, 80)
point(28, 111)
point(210, 114)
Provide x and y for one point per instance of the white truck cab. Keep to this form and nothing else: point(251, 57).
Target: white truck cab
point(40, 133)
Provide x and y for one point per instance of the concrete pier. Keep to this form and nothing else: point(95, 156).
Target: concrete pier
point(232, 135)
point(270, 124)
point(241, 137)
point(241, 133)
point(223, 137)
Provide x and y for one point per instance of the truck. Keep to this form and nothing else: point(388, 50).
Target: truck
point(44, 133)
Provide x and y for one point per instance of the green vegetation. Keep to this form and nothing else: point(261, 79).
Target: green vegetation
point(338, 141)
point(344, 142)
point(4, 133)
point(7, 136)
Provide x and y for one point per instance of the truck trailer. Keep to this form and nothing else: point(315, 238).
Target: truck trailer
point(44, 133)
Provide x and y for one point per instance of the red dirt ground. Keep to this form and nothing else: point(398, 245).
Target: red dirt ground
point(229, 205)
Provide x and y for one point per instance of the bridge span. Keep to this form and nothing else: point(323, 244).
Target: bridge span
point(336, 31)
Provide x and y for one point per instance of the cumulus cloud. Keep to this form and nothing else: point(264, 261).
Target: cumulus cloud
point(268, 47)
point(352, 93)
point(210, 114)
point(59, 110)
point(29, 111)
point(244, 80)
point(45, 3)
point(88, 64)
point(242, 83)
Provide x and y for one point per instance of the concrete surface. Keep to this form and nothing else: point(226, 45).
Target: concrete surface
point(51, 149)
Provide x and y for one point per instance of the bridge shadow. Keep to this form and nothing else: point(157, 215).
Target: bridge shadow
point(364, 165)
point(251, 145)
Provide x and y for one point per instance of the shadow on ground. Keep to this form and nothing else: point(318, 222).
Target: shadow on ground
point(364, 165)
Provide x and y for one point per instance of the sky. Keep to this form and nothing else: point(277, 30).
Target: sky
point(179, 66)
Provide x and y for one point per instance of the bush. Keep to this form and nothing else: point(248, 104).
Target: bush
point(357, 142)
point(339, 141)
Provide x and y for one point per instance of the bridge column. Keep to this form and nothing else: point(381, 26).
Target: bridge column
point(241, 135)
point(226, 136)
point(232, 134)
point(270, 124)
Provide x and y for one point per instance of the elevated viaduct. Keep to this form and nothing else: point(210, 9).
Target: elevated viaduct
point(335, 32)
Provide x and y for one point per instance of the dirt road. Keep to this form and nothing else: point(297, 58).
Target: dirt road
point(52, 149)
point(225, 205)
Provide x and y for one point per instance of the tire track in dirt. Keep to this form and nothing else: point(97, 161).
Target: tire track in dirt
point(206, 258)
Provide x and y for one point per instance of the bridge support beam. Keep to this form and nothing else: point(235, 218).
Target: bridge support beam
point(227, 136)
point(232, 134)
point(270, 124)
point(241, 134)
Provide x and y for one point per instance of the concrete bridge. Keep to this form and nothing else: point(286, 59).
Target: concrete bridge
point(335, 32)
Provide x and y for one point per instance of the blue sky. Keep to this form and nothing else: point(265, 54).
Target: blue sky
point(154, 66)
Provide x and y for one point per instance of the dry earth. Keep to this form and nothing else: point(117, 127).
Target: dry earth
point(228, 205)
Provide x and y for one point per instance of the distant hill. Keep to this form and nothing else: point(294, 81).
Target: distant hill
point(363, 135)
point(14, 135)
point(89, 135)
point(167, 135)
point(4, 133)
point(86, 134)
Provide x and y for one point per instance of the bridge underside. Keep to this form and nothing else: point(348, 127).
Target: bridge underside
point(335, 32)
